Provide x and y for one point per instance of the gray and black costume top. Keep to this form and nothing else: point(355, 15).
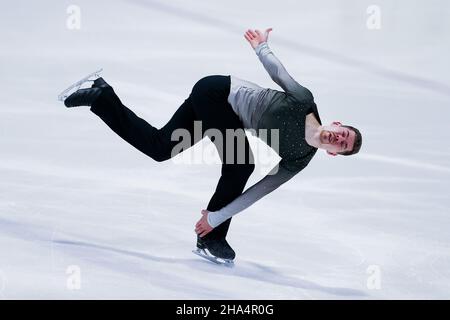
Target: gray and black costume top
point(264, 108)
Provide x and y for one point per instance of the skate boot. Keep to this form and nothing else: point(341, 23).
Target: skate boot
point(85, 97)
point(82, 97)
point(215, 250)
point(100, 83)
point(77, 85)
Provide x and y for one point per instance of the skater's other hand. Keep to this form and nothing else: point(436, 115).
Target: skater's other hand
point(255, 37)
point(202, 228)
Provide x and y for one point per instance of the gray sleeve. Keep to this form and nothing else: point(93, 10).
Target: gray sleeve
point(280, 75)
point(263, 187)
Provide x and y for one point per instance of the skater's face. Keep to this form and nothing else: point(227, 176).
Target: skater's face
point(337, 139)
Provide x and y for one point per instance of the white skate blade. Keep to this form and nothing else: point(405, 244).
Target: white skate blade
point(204, 253)
point(94, 75)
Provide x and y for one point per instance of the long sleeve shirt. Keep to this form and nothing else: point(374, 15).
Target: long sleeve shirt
point(264, 108)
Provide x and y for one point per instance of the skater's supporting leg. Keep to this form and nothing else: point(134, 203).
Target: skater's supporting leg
point(156, 143)
point(209, 97)
point(230, 186)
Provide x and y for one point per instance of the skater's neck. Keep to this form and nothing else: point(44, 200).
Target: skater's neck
point(312, 130)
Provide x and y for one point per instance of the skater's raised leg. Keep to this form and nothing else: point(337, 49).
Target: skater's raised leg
point(156, 143)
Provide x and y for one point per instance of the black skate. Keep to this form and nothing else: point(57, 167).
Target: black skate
point(217, 251)
point(77, 85)
point(83, 97)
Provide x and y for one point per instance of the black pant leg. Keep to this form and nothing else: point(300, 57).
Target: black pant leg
point(156, 143)
point(209, 97)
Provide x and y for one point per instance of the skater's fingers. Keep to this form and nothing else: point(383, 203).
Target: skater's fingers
point(200, 222)
point(199, 229)
point(251, 35)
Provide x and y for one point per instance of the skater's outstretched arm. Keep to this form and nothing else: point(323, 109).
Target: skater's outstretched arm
point(274, 67)
point(263, 187)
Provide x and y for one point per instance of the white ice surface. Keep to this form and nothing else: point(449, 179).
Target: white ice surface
point(72, 193)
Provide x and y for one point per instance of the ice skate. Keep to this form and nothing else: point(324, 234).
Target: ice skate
point(82, 97)
point(217, 251)
point(77, 85)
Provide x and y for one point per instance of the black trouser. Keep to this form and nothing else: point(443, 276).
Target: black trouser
point(207, 103)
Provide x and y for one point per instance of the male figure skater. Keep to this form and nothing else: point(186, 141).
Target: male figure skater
point(222, 102)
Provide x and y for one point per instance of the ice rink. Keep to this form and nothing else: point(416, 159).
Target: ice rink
point(84, 215)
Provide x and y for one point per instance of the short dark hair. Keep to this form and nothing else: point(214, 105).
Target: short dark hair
point(356, 145)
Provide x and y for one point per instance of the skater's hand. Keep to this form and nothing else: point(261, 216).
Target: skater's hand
point(255, 37)
point(202, 228)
